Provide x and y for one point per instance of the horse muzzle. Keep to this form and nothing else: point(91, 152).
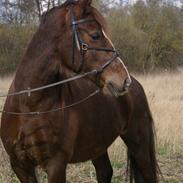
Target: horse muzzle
point(116, 91)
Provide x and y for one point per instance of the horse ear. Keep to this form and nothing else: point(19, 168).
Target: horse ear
point(85, 3)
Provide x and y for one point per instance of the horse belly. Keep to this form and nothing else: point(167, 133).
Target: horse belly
point(92, 142)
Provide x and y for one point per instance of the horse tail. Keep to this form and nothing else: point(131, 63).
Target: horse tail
point(134, 172)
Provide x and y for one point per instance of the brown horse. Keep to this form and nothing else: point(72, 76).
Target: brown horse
point(72, 40)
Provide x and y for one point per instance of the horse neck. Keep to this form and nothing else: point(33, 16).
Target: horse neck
point(77, 90)
point(35, 72)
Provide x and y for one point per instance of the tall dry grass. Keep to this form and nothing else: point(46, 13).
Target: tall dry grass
point(4, 86)
point(165, 96)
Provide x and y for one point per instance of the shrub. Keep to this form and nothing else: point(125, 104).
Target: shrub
point(13, 43)
point(148, 37)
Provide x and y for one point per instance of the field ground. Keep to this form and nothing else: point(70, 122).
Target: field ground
point(165, 95)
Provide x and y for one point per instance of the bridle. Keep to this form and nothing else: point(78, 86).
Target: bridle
point(83, 48)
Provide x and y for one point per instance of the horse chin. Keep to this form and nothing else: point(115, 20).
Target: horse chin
point(107, 92)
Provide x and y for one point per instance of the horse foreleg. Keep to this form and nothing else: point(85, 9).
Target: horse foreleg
point(25, 174)
point(103, 168)
point(56, 169)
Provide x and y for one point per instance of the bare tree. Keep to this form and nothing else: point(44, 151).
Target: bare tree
point(17, 12)
point(25, 11)
point(45, 5)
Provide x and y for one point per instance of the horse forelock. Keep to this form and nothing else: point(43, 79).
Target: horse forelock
point(99, 18)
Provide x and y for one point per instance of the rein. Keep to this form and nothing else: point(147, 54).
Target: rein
point(29, 91)
point(38, 113)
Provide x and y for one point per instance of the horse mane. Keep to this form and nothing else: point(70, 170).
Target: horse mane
point(64, 5)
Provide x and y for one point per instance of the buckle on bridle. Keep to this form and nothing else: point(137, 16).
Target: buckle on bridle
point(84, 46)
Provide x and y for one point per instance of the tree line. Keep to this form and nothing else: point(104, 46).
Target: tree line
point(147, 34)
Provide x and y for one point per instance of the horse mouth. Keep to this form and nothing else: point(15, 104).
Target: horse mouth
point(116, 91)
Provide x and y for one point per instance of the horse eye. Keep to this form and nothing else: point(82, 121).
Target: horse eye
point(96, 36)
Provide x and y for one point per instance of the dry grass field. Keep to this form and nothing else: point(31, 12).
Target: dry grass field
point(165, 95)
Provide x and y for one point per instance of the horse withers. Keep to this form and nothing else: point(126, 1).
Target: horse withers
point(60, 125)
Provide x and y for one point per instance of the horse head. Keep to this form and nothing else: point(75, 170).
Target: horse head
point(85, 46)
